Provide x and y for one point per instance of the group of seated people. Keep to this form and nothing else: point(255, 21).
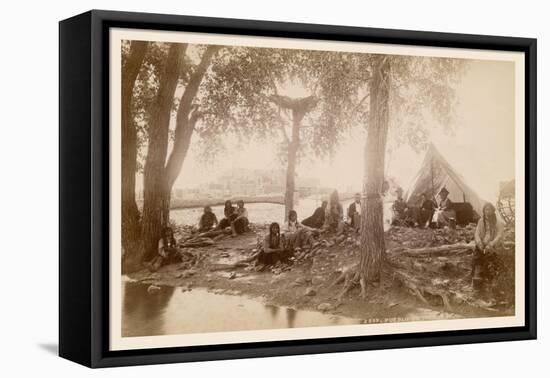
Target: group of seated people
point(428, 213)
point(330, 215)
point(234, 217)
point(280, 245)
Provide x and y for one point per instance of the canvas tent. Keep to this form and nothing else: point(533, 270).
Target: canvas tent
point(436, 173)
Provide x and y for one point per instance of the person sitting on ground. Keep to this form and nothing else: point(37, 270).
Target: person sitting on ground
point(240, 224)
point(296, 234)
point(229, 213)
point(354, 213)
point(488, 235)
point(167, 250)
point(334, 214)
point(208, 220)
point(400, 210)
point(444, 215)
point(273, 247)
point(318, 218)
point(426, 211)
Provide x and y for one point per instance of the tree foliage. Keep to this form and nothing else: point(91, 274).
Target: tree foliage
point(422, 95)
point(238, 96)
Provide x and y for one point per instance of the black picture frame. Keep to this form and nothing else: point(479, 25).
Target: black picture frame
point(84, 187)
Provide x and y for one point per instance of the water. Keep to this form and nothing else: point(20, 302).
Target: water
point(264, 213)
point(169, 311)
point(258, 213)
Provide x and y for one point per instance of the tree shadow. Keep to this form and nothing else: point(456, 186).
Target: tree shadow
point(52, 348)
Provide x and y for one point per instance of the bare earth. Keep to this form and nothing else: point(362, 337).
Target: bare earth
point(419, 282)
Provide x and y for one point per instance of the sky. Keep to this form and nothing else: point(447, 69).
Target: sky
point(481, 148)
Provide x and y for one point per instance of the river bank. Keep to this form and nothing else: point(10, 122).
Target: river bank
point(179, 203)
point(277, 199)
point(310, 282)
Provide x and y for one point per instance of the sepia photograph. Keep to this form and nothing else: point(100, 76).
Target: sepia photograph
point(277, 189)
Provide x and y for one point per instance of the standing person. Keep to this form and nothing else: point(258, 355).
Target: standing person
point(334, 214)
point(426, 211)
point(354, 212)
point(239, 225)
point(488, 235)
point(208, 220)
point(318, 218)
point(444, 215)
point(229, 215)
point(167, 251)
point(297, 235)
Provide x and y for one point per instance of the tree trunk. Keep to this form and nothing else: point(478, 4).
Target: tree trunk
point(299, 107)
point(130, 212)
point(186, 118)
point(372, 222)
point(293, 146)
point(156, 192)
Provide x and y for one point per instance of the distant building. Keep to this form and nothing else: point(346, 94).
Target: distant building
point(249, 182)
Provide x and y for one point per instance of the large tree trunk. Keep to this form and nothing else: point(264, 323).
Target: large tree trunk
point(156, 192)
point(130, 212)
point(293, 146)
point(372, 222)
point(299, 107)
point(186, 118)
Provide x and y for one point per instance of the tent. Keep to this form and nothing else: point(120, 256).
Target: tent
point(436, 173)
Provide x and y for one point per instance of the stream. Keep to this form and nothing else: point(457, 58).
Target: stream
point(171, 311)
point(265, 213)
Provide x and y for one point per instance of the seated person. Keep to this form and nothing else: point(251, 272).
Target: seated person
point(444, 215)
point(401, 213)
point(273, 248)
point(488, 235)
point(167, 251)
point(229, 213)
point(426, 211)
point(208, 220)
point(239, 225)
point(334, 215)
point(296, 234)
point(318, 218)
point(354, 212)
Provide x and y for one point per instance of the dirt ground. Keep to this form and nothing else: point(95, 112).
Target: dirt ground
point(441, 282)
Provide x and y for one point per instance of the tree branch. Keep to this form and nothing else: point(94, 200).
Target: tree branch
point(187, 116)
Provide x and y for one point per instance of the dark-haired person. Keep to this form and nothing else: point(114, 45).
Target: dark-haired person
point(488, 235)
point(229, 215)
point(400, 210)
point(426, 211)
point(318, 218)
point(354, 212)
point(296, 234)
point(208, 220)
point(239, 225)
point(334, 214)
point(444, 215)
point(273, 247)
point(167, 250)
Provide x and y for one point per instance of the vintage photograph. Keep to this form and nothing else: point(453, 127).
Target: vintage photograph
point(278, 186)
